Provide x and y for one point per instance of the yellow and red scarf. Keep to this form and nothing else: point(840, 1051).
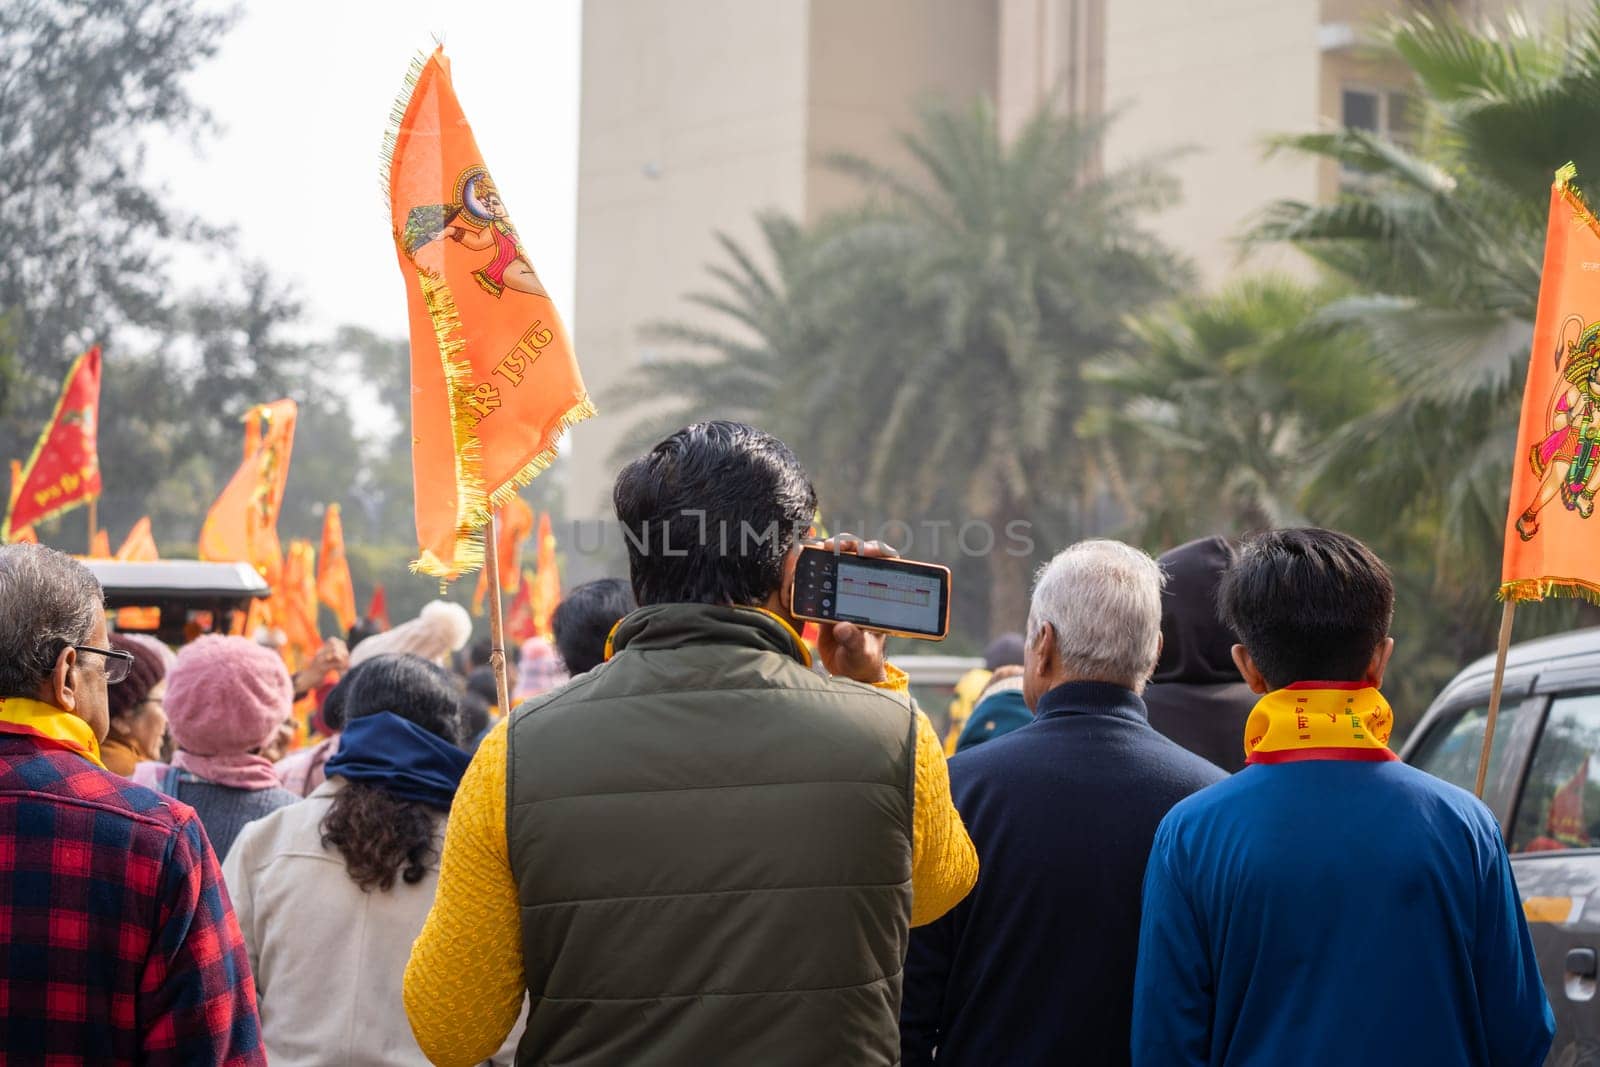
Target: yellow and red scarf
point(49, 725)
point(1319, 721)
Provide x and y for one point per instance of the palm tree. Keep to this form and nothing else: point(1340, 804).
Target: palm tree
point(1441, 247)
point(1215, 403)
point(1012, 264)
point(924, 353)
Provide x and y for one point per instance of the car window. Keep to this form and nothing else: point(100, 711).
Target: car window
point(1555, 811)
point(1454, 744)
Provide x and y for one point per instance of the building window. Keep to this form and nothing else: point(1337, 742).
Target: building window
point(1387, 114)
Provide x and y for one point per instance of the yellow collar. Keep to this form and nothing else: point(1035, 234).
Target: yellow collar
point(50, 725)
point(1319, 721)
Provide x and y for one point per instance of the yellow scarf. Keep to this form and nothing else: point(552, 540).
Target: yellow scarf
point(50, 725)
point(1319, 721)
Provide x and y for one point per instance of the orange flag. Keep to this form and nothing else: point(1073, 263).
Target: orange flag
point(140, 544)
point(243, 524)
point(547, 580)
point(64, 470)
point(334, 587)
point(519, 618)
point(100, 545)
point(493, 380)
point(516, 523)
point(294, 604)
point(1549, 547)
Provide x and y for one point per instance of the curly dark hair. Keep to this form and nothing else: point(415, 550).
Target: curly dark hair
point(381, 836)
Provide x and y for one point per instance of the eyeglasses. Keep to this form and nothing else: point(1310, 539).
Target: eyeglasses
point(118, 663)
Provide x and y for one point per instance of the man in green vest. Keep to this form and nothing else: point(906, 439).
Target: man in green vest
point(703, 850)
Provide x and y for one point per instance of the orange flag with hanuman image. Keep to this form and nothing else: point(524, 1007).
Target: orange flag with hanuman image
point(1550, 546)
point(64, 470)
point(334, 587)
point(493, 380)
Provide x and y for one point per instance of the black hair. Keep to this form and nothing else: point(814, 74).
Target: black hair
point(1308, 604)
point(333, 704)
point(380, 835)
point(710, 514)
point(481, 683)
point(474, 718)
point(363, 629)
point(584, 619)
point(477, 654)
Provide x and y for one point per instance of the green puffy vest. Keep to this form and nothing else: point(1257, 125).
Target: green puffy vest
point(712, 851)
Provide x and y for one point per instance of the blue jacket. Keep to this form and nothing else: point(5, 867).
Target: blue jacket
point(1328, 913)
point(1036, 965)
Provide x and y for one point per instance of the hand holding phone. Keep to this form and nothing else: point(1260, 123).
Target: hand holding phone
point(846, 649)
point(860, 591)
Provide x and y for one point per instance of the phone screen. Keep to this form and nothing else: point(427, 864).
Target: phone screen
point(886, 594)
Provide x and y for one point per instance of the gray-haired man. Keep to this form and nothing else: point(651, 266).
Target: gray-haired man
point(1036, 965)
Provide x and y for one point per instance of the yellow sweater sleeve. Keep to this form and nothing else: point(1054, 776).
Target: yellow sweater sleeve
point(464, 985)
point(944, 865)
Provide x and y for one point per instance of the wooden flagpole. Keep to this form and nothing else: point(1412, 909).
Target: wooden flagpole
point(497, 623)
point(1494, 695)
point(94, 523)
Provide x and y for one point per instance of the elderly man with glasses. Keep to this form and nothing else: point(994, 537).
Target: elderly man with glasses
point(120, 946)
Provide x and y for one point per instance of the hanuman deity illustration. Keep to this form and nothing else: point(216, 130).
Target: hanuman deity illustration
point(1567, 458)
point(477, 220)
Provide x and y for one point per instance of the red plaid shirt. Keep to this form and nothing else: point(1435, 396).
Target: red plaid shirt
point(117, 941)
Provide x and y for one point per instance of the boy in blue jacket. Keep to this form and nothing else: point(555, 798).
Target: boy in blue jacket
point(1329, 905)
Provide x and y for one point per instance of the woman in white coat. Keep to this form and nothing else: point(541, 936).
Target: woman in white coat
point(332, 891)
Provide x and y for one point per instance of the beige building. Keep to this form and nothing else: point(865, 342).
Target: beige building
point(697, 114)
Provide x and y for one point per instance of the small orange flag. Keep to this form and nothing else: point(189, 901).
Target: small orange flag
point(1549, 547)
point(516, 524)
point(64, 470)
point(139, 547)
point(334, 587)
point(294, 604)
point(242, 525)
point(547, 580)
point(493, 380)
point(140, 544)
point(100, 545)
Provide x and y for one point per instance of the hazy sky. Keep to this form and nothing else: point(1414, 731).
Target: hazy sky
point(302, 90)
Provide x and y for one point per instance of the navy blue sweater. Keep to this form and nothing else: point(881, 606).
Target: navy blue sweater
point(1036, 965)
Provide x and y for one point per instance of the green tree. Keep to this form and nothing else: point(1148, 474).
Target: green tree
point(924, 354)
point(1216, 401)
point(82, 82)
point(1441, 246)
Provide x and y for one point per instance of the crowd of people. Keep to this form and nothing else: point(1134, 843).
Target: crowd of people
point(1165, 826)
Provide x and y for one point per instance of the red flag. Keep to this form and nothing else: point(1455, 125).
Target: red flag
point(64, 470)
point(242, 525)
point(493, 380)
point(1566, 822)
point(519, 619)
point(334, 587)
point(378, 610)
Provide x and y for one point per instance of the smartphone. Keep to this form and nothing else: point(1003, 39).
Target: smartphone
point(896, 596)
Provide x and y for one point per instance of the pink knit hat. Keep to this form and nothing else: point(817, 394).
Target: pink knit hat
point(226, 695)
